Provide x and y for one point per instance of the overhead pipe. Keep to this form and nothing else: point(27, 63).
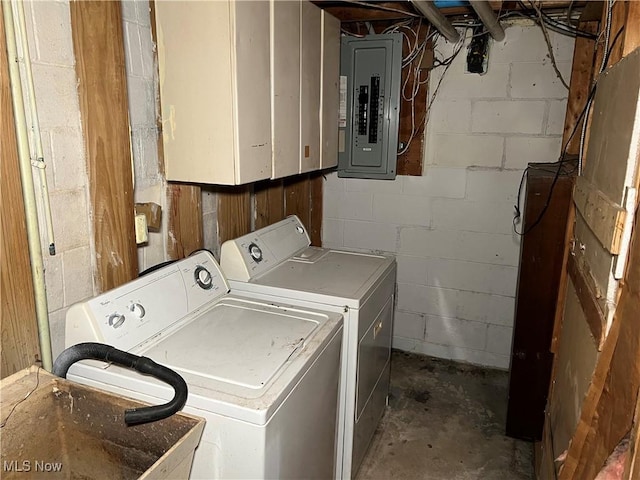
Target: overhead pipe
point(488, 18)
point(39, 154)
point(437, 19)
point(28, 191)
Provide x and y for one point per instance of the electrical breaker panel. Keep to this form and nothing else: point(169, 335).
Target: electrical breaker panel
point(370, 79)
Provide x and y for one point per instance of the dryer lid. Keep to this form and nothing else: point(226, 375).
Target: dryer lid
point(235, 346)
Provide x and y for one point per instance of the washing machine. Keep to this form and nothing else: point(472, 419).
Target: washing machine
point(278, 262)
point(263, 374)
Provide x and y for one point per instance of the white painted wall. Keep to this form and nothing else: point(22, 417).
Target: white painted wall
point(69, 274)
point(451, 229)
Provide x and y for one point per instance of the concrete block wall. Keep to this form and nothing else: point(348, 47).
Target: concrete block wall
point(451, 228)
point(69, 274)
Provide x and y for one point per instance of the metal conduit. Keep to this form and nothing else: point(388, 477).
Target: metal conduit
point(437, 19)
point(488, 18)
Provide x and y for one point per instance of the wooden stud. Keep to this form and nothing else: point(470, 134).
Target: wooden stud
point(269, 202)
point(580, 86)
point(632, 28)
point(99, 51)
point(184, 227)
point(19, 341)
point(594, 315)
point(234, 212)
point(297, 198)
point(185, 231)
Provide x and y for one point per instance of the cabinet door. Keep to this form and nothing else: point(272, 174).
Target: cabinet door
point(329, 93)
point(285, 87)
point(310, 87)
point(196, 91)
point(252, 104)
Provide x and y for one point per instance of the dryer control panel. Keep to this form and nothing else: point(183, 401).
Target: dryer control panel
point(142, 309)
point(256, 253)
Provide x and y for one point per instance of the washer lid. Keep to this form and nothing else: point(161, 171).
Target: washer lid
point(347, 275)
point(236, 346)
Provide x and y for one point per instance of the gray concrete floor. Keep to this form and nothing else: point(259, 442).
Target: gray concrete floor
point(445, 421)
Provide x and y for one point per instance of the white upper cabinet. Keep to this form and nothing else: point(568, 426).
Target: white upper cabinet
point(248, 89)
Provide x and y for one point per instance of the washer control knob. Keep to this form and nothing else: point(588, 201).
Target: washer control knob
point(137, 309)
point(299, 229)
point(116, 320)
point(203, 277)
point(256, 252)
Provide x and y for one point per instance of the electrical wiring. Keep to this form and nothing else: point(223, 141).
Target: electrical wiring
point(562, 160)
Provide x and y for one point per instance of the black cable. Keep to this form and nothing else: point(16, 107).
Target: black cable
point(562, 159)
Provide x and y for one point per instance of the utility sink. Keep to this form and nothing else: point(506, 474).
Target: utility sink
point(66, 430)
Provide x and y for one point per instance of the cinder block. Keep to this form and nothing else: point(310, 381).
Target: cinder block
point(506, 116)
point(408, 325)
point(209, 200)
point(536, 80)
point(437, 182)
point(373, 186)
point(487, 359)
point(370, 236)
point(563, 47)
point(493, 185)
point(54, 280)
point(450, 116)
point(210, 231)
point(56, 96)
point(456, 332)
point(499, 339)
point(427, 300)
point(498, 249)
point(141, 102)
point(133, 49)
point(459, 84)
point(471, 276)
point(463, 150)
point(555, 121)
point(521, 44)
point(348, 205)
point(78, 278)
point(52, 26)
point(70, 219)
point(483, 307)
point(57, 323)
point(473, 216)
point(332, 233)
point(128, 8)
point(68, 158)
point(522, 150)
point(412, 269)
point(143, 12)
point(147, 50)
point(333, 182)
point(401, 209)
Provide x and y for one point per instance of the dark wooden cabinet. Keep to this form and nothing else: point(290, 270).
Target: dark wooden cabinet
point(541, 253)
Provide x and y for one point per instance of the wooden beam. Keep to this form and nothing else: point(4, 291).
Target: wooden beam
point(297, 198)
point(632, 28)
point(594, 315)
point(184, 225)
point(580, 85)
point(99, 51)
point(234, 212)
point(269, 202)
point(604, 217)
point(19, 339)
point(632, 468)
point(185, 231)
